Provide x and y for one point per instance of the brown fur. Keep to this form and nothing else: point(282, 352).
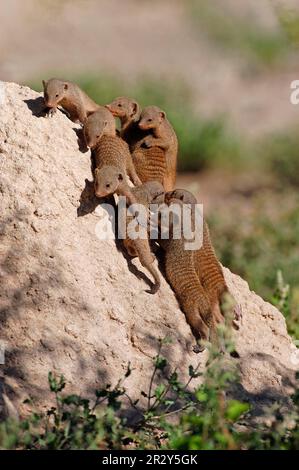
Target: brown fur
point(140, 247)
point(70, 97)
point(110, 175)
point(150, 164)
point(128, 111)
point(207, 266)
point(108, 148)
point(181, 274)
point(161, 134)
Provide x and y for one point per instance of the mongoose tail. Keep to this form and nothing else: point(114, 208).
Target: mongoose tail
point(70, 97)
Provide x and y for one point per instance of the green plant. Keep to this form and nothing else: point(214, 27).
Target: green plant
point(171, 414)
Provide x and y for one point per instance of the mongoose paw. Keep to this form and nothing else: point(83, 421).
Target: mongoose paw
point(50, 112)
point(148, 142)
point(154, 289)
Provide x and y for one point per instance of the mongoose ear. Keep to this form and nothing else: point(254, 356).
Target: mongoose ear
point(65, 86)
point(120, 177)
point(163, 114)
point(136, 111)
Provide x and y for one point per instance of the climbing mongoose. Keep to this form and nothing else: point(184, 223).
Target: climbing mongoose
point(206, 263)
point(181, 273)
point(108, 148)
point(161, 135)
point(70, 97)
point(110, 180)
point(150, 163)
point(128, 111)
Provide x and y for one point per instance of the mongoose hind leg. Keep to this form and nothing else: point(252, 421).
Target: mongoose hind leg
point(216, 312)
point(199, 328)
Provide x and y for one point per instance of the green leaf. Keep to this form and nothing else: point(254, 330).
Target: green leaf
point(160, 362)
point(160, 390)
point(235, 409)
point(201, 396)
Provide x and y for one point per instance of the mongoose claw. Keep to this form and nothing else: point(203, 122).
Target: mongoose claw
point(50, 112)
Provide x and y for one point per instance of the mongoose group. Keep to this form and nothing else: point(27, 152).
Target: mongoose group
point(139, 162)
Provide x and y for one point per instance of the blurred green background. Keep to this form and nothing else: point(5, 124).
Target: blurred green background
point(222, 70)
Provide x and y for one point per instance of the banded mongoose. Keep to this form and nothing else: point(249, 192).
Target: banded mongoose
point(206, 264)
point(162, 135)
point(150, 163)
point(180, 271)
point(110, 180)
point(128, 111)
point(70, 97)
point(108, 148)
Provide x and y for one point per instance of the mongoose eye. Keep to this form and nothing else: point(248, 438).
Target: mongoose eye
point(149, 120)
point(57, 95)
point(120, 177)
point(119, 105)
point(98, 136)
point(108, 185)
point(182, 198)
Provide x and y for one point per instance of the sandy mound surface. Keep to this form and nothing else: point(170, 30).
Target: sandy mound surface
point(72, 303)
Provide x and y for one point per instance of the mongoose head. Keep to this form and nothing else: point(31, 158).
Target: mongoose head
point(54, 91)
point(125, 109)
point(107, 180)
point(180, 194)
point(97, 124)
point(151, 118)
